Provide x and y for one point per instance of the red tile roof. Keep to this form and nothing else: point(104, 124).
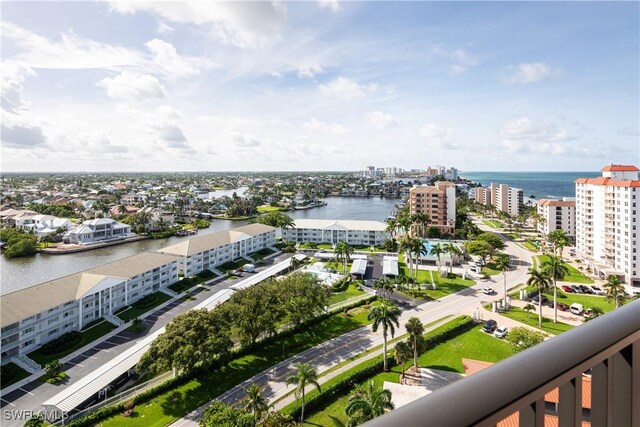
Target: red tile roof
point(620, 168)
point(610, 182)
point(513, 420)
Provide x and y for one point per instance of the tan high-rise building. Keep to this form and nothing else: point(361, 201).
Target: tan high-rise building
point(557, 215)
point(607, 222)
point(439, 202)
point(504, 198)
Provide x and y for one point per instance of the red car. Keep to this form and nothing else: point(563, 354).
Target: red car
point(562, 306)
point(567, 288)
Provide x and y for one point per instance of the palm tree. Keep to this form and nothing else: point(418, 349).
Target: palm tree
point(556, 270)
point(305, 375)
point(402, 353)
point(405, 246)
point(385, 315)
point(294, 263)
point(503, 265)
point(420, 220)
point(539, 279)
point(392, 228)
point(416, 249)
point(415, 329)
point(404, 223)
point(384, 285)
point(343, 252)
point(559, 239)
point(255, 402)
point(437, 250)
point(366, 403)
point(615, 290)
point(453, 250)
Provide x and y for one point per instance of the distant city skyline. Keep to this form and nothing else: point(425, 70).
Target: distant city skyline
point(319, 86)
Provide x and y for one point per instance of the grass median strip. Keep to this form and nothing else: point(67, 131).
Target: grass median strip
point(173, 404)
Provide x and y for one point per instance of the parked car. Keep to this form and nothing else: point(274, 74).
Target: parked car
point(586, 289)
point(487, 290)
point(501, 332)
point(562, 306)
point(567, 288)
point(597, 290)
point(490, 326)
point(536, 299)
point(576, 289)
point(576, 308)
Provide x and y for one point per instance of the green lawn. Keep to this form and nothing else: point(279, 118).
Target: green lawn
point(11, 374)
point(172, 405)
point(473, 344)
point(262, 253)
point(181, 286)
point(351, 292)
point(267, 208)
point(574, 276)
point(337, 266)
point(528, 244)
point(587, 301)
point(88, 335)
point(522, 316)
point(492, 223)
point(445, 286)
point(326, 246)
point(490, 269)
point(144, 305)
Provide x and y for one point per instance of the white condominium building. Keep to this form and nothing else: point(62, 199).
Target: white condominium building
point(557, 215)
point(212, 250)
point(505, 199)
point(370, 233)
point(38, 314)
point(607, 222)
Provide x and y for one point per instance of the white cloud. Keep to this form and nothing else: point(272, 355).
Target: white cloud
point(167, 112)
point(163, 28)
point(459, 60)
point(328, 128)
point(332, 5)
point(381, 120)
point(133, 86)
point(172, 135)
point(532, 73)
point(243, 24)
point(12, 77)
point(24, 137)
point(244, 141)
point(346, 89)
point(171, 63)
point(526, 135)
point(71, 52)
point(310, 70)
point(437, 137)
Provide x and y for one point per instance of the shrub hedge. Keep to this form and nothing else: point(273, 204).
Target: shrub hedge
point(61, 343)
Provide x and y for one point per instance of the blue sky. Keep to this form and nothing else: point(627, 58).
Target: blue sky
point(154, 86)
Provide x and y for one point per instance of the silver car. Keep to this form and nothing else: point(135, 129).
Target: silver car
point(501, 332)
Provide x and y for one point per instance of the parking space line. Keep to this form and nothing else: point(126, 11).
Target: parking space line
point(28, 392)
point(7, 402)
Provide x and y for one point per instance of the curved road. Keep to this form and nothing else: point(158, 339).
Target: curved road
point(337, 350)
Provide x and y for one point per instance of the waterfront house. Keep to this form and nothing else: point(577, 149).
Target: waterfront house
point(98, 230)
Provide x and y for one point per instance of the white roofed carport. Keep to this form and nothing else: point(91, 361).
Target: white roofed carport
point(390, 266)
point(98, 380)
point(359, 267)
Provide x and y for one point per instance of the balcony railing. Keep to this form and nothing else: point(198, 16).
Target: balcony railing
point(608, 348)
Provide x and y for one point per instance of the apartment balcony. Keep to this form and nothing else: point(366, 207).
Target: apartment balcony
point(606, 348)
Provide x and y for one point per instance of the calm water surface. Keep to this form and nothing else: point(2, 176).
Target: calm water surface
point(18, 273)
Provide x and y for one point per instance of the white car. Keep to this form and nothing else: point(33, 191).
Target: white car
point(487, 290)
point(501, 332)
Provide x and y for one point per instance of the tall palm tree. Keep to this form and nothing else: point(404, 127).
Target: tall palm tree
point(305, 375)
point(384, 285)
point(343, 253)
point(416, 249)
point(402, 353)
point(453, 250)
point(294, 263)
point(392, 228)
point(366, 403)
point(420, 221)
point(555, 270)
point(437, 250)
point(539, 279)
point(559, 239)
point(385, 315)
point(405, 247)
point(615, 290)
point(415, 329)
point(503, 265)
point(404, 223)
point(255, 402)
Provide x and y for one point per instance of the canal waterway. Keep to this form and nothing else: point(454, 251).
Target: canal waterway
point(18, 273)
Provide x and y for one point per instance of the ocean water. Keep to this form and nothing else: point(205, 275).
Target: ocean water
point(547, 185)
